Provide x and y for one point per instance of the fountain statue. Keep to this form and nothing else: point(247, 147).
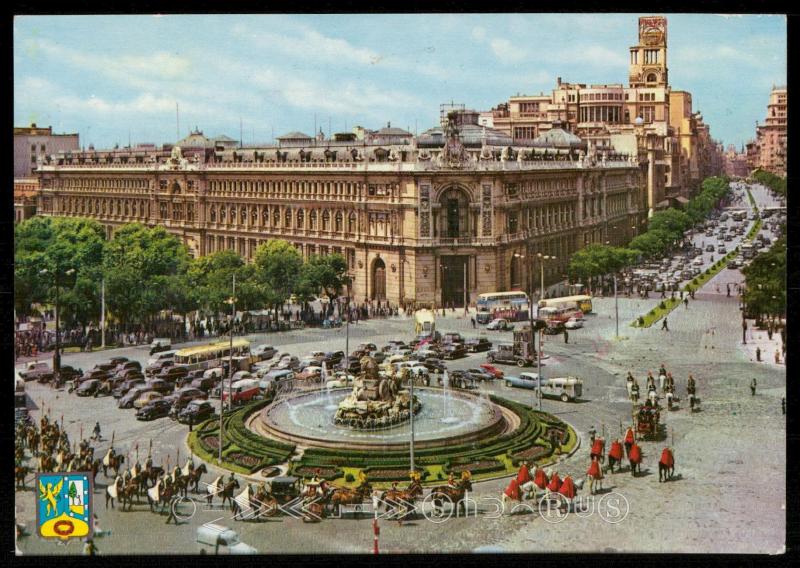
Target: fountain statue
point(376, 401)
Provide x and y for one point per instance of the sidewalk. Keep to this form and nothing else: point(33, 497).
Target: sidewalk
point(758, 338)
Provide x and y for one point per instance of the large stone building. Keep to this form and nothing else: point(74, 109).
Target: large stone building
point(417, 219)
point(771, 136)
point(646, 117)
point(736, 162)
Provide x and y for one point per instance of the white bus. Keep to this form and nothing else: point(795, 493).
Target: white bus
point(582, 303)
point(213, 354)
point(512, 306)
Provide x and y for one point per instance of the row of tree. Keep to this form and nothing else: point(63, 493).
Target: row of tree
point(664, 230)
point(148, 270)
point(765, 283)
point(775, 183)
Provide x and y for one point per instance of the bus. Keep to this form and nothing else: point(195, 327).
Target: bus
point(512, 306)
point(213, 354)
point(424, 323)
point(582, 303)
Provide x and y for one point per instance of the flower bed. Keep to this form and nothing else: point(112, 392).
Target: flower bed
point(329, 472)
point(531, 454)
point(477, 467)
point(244, 460)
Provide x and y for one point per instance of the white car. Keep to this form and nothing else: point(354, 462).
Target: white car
point(340, 380)
point(573, 323)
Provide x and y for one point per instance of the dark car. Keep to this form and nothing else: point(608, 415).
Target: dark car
point(454, 351)
point(173, 373)
point(449, 338)
point(160, 385)
point(126, 374)
point(93, 374)
point(108, 386)
point(196, 411)
point(379, 356)
point(478, 344)
point(117, 361)
point(129, 365)
point(353, 367)
point(159, 366)
point(183, 396)
point(367, 347)
point(88, 388)
point(394, 344)
point(358, 354)
point(434, 365)
point(127, 385)
point(205, 384)
point(152, 410)
point(105, 366)
point(479, 375)
point(333, 357)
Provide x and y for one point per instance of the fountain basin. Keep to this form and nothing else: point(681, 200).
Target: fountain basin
point(304, 419)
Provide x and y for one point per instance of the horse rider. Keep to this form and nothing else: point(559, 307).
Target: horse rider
point(96, 431)
point(595, 471)
point(652, 396)
point(635, 391)
point(662, 376)
point(148, 463)
point(592, 435)
point(629, 383)
point(651, 381)
point(629, 440)
point(670, 395)
point(670, 382)
point(691, 386)
point(451, 480)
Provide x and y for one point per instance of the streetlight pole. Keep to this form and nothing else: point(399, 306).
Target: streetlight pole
point(57, 355)
point(411, 410)
point(539, 370)
point(230, 354)
point(232, 301)
point(103, 314)
point(616, 305)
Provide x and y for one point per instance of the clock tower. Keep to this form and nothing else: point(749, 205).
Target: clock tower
point(648, 66)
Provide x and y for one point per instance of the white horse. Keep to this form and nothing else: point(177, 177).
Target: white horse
point(242, 507)
point(653, 396)
point(661, 379)
point(214, 488)
point(187, 469)
point(528, 489)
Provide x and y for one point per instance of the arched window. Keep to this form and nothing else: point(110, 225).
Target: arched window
point(233, 214)
point(454, 217)
point(326, 220)
point(254, 216)
point(126, 208)
point(265, 217)
point(287, 218)
point(212, 214)
point(244, 215)
point(651, 78)
point(276, 217)
point(222, 214)
point(300, 218)
point(351, 222)
point(312, 219)
point(338, 222)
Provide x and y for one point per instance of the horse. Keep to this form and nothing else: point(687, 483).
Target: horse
point(194, 477)
point(160, 493)
point(346, 496)
point(150, 475)
point(313, 507)
point(127, 493)
point(242, 505)
point(213, 489)
point(666, 465)
point(113, 461)
point(46, 463)
point(227, 492)
point(453, 494)
point(20, 473)
point(635, 459)
point(113, 491)
point(396, 500)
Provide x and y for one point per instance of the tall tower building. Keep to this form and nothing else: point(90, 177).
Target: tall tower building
point(648, 66)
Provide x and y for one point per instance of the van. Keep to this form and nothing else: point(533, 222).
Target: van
point(566, 388)
point(242, 391)
point(211, 534)
point(163, 356)
point(274, 377)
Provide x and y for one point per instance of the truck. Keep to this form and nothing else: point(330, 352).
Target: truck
point(520, 353)
point(424, 323)
point(211, 534)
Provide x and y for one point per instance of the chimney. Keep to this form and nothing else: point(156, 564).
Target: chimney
point(558, 81)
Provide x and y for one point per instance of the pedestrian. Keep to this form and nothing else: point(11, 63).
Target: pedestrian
point(758, 354)
point(96, 431)
point(686, 302)
point(753, 387)
point(473, 322)
point(777, 356)
point(173, 503)
point(783, 405)
point(664, 325)
point(89, 549)
point(566, 336)
point(728, 290)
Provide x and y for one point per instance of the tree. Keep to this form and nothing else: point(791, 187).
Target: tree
point(73, 492)
point(326, 273)
point(277, 268)
point(670, 220)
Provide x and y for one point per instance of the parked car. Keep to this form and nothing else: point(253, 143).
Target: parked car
point(573, 323)
point(34, 369)
point(454, 351)
point(478, 344)
point(126, 374)
point(367, 347)
point(161, 386)
point(93, 374)
point(160, 344)
point(146, 398)
point(333, 358)
point(88, 388)
point(205, 384)
point(268, 381)
point(184, 395)
point(196, 411)
point(127, 400)
point(379, 356)
point(491, 369)
point(127, 385)
point(158, 366)
point(452, 338)
point(500, 325)
point(173, 373)
point(434, 365)
point(309, 373)
point(478, 374)
point(263, 352)
point(340, 380)
point(158, 408)
point(290, 362)
point(722, 250)
point(161, 356)
point(505, 353)
point(352, 366)
point(213, 373)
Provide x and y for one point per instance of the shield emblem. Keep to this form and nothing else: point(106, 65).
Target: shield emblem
point(64, 505)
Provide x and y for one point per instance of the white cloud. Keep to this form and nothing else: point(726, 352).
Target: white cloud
point(478, 33)
point(506, 51)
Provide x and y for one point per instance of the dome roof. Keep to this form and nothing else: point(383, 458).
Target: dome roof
point(196, 139)
point(558, 138)
point(471, 135)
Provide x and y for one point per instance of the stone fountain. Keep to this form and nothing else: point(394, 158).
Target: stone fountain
point(375, 401)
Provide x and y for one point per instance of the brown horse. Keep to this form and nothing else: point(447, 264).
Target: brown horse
point(115, 461)
point(227, 492)
point(160, 494)
point(396, 500)
point(194, 477)
point(454, 495)
point(20, 472)
point(345, 496)
point(127, 494)
point(46, 463)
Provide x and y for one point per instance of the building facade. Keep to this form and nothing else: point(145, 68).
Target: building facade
point(450, 214)
point(771, 136)
point(645, 116)
point(736, 162)
point(33, 143)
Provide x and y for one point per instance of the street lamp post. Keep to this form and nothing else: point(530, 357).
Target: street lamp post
point(57, 355)
point(232, 302)
point(542, 259)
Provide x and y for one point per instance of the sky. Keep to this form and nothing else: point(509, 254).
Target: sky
point(115, 78)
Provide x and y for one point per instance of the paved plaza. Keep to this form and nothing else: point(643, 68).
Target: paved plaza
point(726, 454)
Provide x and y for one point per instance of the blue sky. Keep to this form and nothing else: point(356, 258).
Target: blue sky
point(106, 76)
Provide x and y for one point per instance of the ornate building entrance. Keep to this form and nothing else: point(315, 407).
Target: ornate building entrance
point(454, 275)
point(379, 280)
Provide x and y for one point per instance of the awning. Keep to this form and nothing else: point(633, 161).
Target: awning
point(682, 199)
